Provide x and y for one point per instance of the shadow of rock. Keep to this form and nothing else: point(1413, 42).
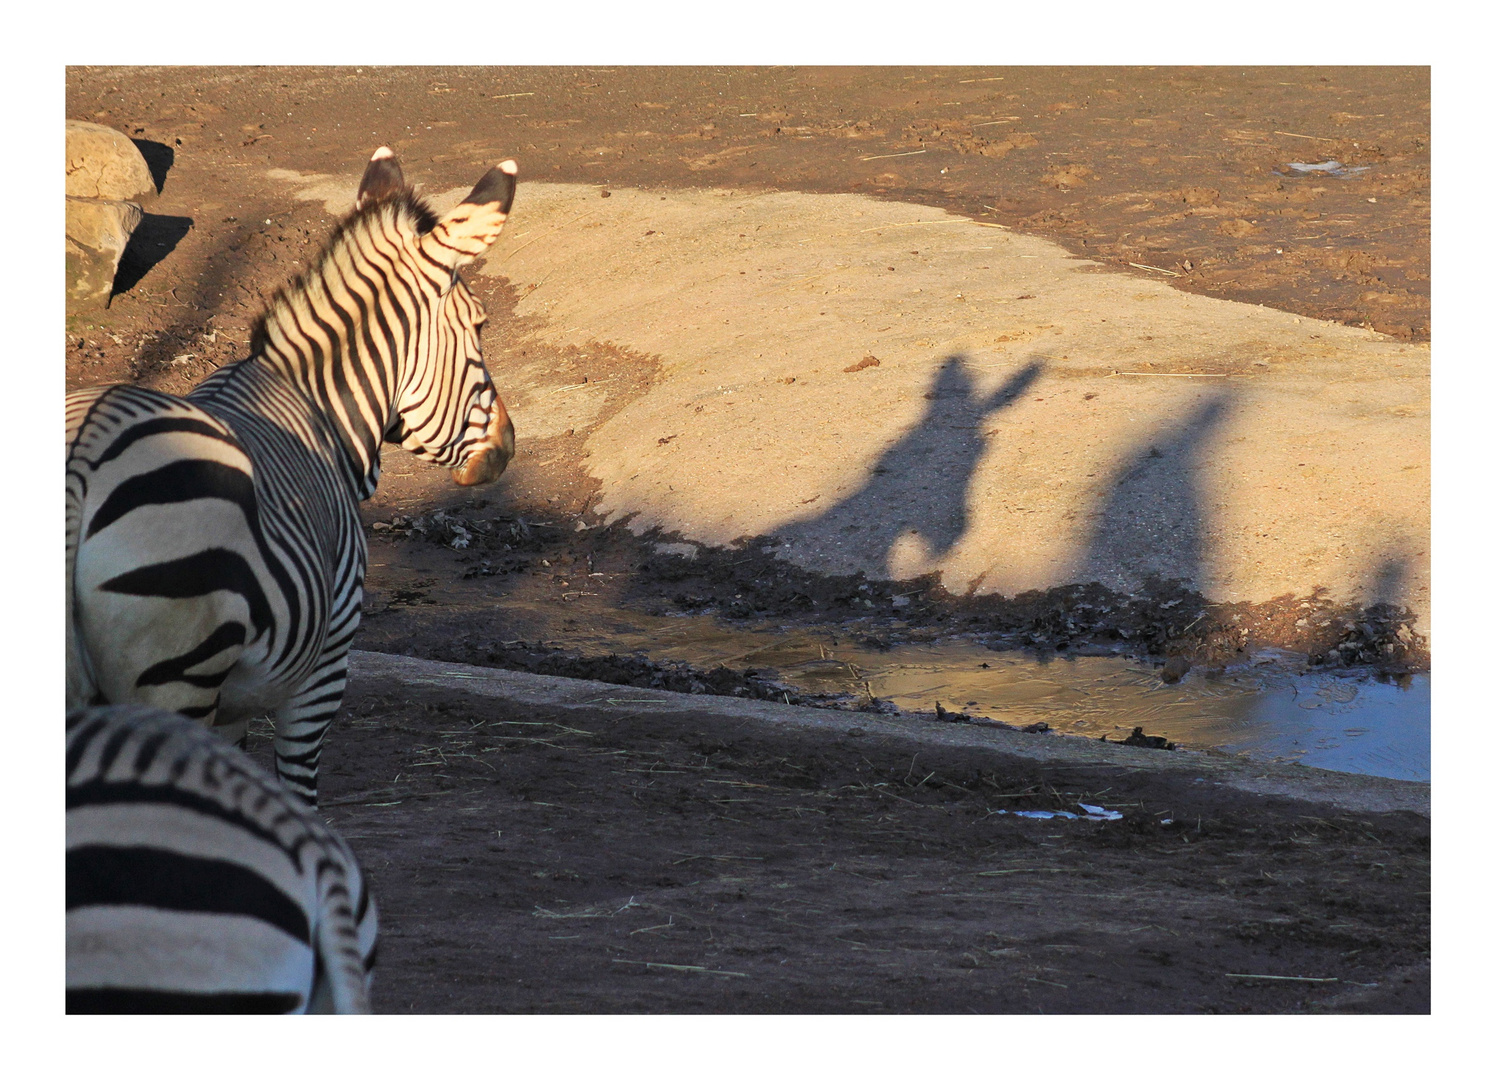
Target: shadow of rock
point(153, 240)
point(158, 158)
point(1151, 526)
point(911, 510)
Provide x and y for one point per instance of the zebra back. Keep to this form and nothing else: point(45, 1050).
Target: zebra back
point(197, 883)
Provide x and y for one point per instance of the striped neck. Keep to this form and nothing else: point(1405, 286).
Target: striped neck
point(341, 332)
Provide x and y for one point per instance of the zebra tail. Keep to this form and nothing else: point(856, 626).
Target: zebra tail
point(342, 984)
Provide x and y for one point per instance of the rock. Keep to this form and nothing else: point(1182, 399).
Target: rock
point(1199, 196)
point(103, 164)
point(1152, 742)
point(1176, 668)
point(97, 232)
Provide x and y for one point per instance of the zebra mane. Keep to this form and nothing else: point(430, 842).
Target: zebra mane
point(405, 206)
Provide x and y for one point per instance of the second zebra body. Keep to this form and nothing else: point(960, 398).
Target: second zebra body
point(197, 883)
point(215, 557)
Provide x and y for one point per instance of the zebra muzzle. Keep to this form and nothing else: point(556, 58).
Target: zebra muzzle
point(489, 459)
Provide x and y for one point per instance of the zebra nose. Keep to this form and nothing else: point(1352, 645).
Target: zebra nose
point(489, 459)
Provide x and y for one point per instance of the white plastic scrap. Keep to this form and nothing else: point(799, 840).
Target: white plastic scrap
point(1332, 168)
point(1092, 813)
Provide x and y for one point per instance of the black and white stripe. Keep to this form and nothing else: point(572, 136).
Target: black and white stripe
point(197, 883)
point(215, 559)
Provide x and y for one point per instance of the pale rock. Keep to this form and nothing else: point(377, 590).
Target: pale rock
point(103, 163)
point(97, 232)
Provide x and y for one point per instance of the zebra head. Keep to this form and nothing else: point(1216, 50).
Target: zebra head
point(447, 410)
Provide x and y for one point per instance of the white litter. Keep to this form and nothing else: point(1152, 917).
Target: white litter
point(1330, 168)
point(1100, 812)
point(1092, 813)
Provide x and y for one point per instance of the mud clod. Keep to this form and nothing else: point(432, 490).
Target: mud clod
point(1151, 742)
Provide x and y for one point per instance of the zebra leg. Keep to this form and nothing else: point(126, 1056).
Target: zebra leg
point(302, 722)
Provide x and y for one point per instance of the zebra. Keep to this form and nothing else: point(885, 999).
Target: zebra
point(197, 883)
point(215, 557)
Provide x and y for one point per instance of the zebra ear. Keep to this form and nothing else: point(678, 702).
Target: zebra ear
point(467, 230)
point(497, 186)
point(382, 178)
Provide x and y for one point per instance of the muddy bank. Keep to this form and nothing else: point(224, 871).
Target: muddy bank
point(485, 556)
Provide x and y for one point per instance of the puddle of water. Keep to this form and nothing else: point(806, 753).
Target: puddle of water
point(1345, 723)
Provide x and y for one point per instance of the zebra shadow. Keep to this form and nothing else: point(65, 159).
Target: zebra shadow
point(911, 510)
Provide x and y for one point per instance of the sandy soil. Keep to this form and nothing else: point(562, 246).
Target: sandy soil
point(1169, 169)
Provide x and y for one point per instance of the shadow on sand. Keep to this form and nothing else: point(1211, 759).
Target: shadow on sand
point(1152, 525)
point(915, 496)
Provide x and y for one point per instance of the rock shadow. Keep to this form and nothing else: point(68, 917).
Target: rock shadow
point(154, 239)
point(911, 510)
point(1152, 528)
point(159, 158)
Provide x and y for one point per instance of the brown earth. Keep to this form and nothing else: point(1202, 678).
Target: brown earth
point(1182, 169)
point(532, 861)
point(807, 860)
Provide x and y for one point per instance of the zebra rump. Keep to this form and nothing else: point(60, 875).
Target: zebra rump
point(196, 883)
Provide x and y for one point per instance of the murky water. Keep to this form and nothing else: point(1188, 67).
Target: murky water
point(1347, 723)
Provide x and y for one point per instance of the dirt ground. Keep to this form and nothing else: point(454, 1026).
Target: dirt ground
point(535, 875)
point(531, 861)
point(1063, 153)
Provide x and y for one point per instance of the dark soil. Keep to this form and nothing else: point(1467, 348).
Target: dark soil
point(532, 863)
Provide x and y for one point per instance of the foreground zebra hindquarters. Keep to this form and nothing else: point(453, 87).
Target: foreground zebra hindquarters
point(215, 558)
point(197, 883)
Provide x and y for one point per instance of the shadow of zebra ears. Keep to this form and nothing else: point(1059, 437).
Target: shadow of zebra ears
point(497, 186)
point(382, 179)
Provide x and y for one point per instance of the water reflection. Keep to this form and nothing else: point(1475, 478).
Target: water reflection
point(1362, 727)
point(1346, 724)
